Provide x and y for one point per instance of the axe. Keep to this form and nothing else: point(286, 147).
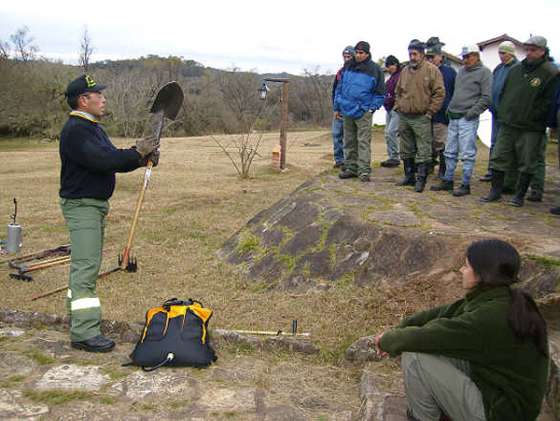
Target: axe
point(167, 104)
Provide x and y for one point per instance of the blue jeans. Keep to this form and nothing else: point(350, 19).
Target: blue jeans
point(338, 142)
point(461, 144)
point(391, 134)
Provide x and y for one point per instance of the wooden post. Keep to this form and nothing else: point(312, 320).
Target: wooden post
point(283, 118)
point(283, 125)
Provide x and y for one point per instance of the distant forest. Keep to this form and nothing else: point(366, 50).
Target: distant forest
point(32, 89)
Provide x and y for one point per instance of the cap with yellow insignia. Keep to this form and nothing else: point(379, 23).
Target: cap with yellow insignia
point(81, 85)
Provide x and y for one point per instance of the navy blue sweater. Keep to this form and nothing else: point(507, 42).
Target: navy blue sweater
point(449, 74)
point(90, 160)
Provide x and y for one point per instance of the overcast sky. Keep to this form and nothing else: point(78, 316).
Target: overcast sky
point(276, 36)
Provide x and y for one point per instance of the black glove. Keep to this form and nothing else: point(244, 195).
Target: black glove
point(154, 157)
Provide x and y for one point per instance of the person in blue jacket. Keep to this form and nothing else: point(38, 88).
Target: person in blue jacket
point(506, 51)
point(358, 94)
point(338, 123)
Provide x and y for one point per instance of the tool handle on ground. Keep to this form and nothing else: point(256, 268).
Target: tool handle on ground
point(131, 232)
point(46, 264)
point(54, 291)
point(269, 333)
point(49, 293)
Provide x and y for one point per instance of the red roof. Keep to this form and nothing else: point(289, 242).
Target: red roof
point(499, 39)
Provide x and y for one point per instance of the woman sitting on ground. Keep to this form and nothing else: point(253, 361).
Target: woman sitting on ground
point(484, 357)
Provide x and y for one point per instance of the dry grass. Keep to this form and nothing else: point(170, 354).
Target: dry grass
point(195, 202)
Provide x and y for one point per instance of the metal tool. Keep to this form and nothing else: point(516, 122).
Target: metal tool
point(167, 104)
point(14, 238)
point(40, 260)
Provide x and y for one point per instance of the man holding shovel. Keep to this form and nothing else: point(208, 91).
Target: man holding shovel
point(87, 181)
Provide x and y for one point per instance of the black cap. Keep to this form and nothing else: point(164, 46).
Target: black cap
point(81, 85)
point(416, 45)
point(362, 45)
point(391, 60)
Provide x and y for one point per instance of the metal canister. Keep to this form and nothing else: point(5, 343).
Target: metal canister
point(14, 239)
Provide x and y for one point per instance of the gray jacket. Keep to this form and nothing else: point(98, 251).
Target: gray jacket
point(473, 91)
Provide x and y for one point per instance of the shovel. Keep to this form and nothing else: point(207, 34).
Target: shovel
point(167, 104)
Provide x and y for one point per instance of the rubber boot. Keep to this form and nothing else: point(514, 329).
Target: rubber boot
point(495, 193)
point(555, 211)
point(522, 186)
point(442, 167)
point(409, 173)
point(421, 177)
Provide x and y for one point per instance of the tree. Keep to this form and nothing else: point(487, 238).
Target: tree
point(24, 48)
point(239, 92)
point(86, 50)
point(4, 50)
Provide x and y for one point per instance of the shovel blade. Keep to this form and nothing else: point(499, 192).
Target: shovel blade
point(169, 100)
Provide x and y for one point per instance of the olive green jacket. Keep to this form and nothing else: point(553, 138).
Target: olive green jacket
point(528, 95)
point(511, 374)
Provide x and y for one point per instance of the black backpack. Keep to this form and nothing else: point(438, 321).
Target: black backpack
point(175, 334)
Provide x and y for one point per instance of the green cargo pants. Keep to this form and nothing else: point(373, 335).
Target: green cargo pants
point(85, 219)
point(537, 182)
point(415, 132)
point(517, 150)
point(434, 383)
point(357, 144)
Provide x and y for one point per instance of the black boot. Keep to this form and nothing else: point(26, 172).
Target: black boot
point(535, 195)
point(421, 177)
point(347, 174)
point(443, 185)
point(98, 343)
point(442, 166)
point(497, 187)
point(463, 190)
point(409, 173)
point(522, 186)
point(555, 211)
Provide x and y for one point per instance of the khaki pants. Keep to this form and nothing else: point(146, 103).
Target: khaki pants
point(439, 131)
point(434, 384)
point(357, 144)
point(85, 219)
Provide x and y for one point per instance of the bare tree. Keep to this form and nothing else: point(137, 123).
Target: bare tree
point(4, 50)
point(245, 147)
point(239, 92)
point(24, 47)
point(86, 50)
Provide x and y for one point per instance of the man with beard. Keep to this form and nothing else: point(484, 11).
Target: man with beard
point(358, 94)
point(525, 104)
point(419, 95)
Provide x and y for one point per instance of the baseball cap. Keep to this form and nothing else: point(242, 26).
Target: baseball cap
point(468, 49)
point(537, 41)
point(81, 85)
